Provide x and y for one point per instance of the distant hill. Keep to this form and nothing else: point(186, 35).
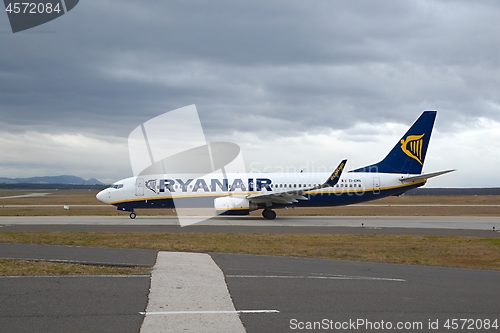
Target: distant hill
point(64, 179)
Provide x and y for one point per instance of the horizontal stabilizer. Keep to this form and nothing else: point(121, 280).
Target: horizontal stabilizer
point(424, 176)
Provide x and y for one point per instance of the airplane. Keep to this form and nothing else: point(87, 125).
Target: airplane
point(237, 194)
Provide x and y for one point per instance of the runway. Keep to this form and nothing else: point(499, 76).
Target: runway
point(441, 222)
point(412, 225)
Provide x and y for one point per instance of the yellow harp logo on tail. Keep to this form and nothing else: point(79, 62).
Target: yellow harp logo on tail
point(412, 146)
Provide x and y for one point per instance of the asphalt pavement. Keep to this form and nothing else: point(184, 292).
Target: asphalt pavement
point(338, 293)
point(72, 303)
point(82, 303)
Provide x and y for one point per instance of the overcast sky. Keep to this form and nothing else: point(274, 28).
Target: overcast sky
point(294, 83)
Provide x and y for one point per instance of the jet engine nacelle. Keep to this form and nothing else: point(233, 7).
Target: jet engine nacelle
point(233, 206)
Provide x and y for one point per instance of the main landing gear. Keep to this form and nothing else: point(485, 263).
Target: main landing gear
point(132, 215)
point(269, 214)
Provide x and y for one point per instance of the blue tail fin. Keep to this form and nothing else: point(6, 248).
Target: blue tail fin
point(408, 154)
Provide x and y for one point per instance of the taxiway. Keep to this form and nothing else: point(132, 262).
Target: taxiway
point(412, 225)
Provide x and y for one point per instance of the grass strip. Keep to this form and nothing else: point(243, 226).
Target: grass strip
point(488, 206)
point(465, 252)
point(12, 267)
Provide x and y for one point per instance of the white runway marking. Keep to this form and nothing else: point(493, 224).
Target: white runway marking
point(333, 277)
point(207, 312)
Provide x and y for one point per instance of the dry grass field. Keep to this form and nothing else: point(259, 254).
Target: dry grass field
point(470, 252)
point(23, 267)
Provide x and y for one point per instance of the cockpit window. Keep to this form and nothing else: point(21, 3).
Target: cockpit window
point(116, 186)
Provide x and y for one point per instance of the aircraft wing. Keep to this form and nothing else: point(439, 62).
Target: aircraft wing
point(424, 176)
point(290, 197)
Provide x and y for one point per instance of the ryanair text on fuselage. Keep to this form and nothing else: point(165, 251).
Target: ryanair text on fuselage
point(192, 185)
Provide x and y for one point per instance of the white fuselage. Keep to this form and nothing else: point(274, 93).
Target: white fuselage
point(357, 186)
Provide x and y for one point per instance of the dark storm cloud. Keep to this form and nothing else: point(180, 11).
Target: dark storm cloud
point(259, 66)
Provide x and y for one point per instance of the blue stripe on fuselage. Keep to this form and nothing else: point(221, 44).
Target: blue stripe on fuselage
point(315, 200)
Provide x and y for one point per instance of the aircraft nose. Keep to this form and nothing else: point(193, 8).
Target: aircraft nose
point(102, 196)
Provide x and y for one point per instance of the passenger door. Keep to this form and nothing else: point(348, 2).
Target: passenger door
point(376, 185)
point(139, 187)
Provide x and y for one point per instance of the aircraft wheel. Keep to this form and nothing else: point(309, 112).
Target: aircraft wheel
point(132, 215)
point(269, 214)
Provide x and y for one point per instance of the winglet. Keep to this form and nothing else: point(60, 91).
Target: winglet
point(335, 177)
